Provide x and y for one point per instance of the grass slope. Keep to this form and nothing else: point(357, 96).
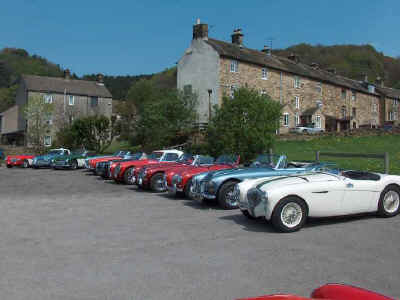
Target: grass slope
point(305, 150)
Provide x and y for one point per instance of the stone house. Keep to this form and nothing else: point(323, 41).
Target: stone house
point(390, 108)
point(71, 98)
point(309, 95)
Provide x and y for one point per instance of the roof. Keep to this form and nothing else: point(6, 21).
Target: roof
point(242, 53)
point(62, 85)
point(389, 92)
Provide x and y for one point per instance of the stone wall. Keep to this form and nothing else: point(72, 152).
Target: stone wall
point(311, 94)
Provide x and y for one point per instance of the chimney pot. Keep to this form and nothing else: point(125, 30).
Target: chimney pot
point(266, 50)
point(67, 74)
point(100, 79)
point(200, 31)
point(237, 37)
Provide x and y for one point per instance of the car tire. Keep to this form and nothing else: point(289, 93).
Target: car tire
point(305, 131)
point(25, 165)
point(224, 200)
point(248, 215)
point(286, 206)
point(127, 175)
point(9, 166)
point(156, 183)
point(187, 188)
point(74, 165)
point(389, 202)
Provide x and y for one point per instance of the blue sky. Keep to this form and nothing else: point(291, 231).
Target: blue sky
point(140, 37)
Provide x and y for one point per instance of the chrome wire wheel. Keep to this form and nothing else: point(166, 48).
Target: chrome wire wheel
point(131, 177)
point(232, 197)
point(291, 214)
point(391, 202)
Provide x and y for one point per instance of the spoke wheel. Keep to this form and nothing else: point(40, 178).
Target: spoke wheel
point(188, 189)
point(227, 199)
point(389, 202)
point(74, 165)
point(26, 164)
point(157, 183)
point(289, 214)
point(128, 176)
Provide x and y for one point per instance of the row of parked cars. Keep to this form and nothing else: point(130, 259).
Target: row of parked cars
point(271, 187)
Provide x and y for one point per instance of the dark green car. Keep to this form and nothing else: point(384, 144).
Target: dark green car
point(73, 161)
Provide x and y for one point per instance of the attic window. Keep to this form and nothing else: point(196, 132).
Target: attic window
point(395, 102)
point(371, 88)
point(296, 81)
point(48, 99)
point(234, 66)
point(319, 88)
point(94, 101)
point(264, 73)
point(71, 100)
point(353, 95)
point(343, 94)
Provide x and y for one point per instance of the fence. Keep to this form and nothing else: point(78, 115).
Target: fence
point(384, 156)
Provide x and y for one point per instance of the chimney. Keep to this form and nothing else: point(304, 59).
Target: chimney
point(379, 81)
point(293, 57)
point(67, 74)
point(237, 37)
point(200, 31)
point(266, 50)
point(315, 66)
point(100, 79)
point(331, 70)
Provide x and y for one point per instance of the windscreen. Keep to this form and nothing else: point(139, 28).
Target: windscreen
point(186, 158)
point(78, 152)
point(226, 159)
point(265, 160)
point(155, 155)
point(55, 152)
point(205, 160)
point(136, 156)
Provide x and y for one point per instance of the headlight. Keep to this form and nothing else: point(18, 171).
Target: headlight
point(255, 196)
point(211, 187)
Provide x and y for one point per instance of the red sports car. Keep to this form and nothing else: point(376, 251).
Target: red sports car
point(124, 171)
point(19, 160)
point(330, 292)
point(152, 176)
point(179, 180)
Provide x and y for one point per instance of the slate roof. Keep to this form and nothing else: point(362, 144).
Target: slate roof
point(59, 85)
point(389, 92)
point(283, 64)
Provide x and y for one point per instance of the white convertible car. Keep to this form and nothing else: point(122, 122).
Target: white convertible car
point(287, 201)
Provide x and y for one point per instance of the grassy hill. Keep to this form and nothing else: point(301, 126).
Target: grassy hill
point(350, 61)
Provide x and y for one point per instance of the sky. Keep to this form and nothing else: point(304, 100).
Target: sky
point(130, 37)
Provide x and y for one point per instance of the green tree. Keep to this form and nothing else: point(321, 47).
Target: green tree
point(92, 132)
point(244, 125)
point(37, 114)
point(166, 121)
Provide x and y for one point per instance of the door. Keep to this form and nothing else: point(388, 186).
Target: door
point(325, 198)
point(358, 196)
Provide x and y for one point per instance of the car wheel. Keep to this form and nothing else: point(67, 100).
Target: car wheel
point(248, 215)
point(187, 189)
point(157, 183)
point(289, 215)
point(25, 164)
point(305, 131)
point(9, 166)
point(128, 176)
point(74, 165)
point(226, 197)
point(389, 202)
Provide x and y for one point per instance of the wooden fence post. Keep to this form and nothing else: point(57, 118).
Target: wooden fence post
point(386, 158)
point(317, 156)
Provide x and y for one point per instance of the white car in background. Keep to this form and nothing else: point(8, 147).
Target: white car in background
point(306, 129)
point(287, 201)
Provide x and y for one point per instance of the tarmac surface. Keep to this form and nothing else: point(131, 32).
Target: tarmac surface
point(70, 235)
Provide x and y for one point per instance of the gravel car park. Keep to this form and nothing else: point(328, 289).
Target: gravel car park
point(72, 235)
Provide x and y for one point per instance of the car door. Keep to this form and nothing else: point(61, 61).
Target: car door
point(358, 195)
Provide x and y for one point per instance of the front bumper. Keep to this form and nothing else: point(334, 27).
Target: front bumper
point(14, 163)
point(42, 164)
point(61, 165)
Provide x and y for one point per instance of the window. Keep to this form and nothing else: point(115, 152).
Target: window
point(395, 102)
point(297, 102)
point(353, 95)
point(344, 113)
point(392, 115)
point(48, 99)
point(297, 119)
point(285, 119)
point(49, 121)
point(263, 92)
point(171, 157)
point(317, 121)
point(374, 107)
point(353, 112)
point(94, 101)
point(232, 91)
point(296, 81)
point(234, 66)
point(264, 73)
point(187, 89)
point(71, 100)
point(319, 87)
point(343, 94)
point(47, 140)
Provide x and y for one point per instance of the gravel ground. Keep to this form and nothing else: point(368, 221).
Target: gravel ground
point(70, 235)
